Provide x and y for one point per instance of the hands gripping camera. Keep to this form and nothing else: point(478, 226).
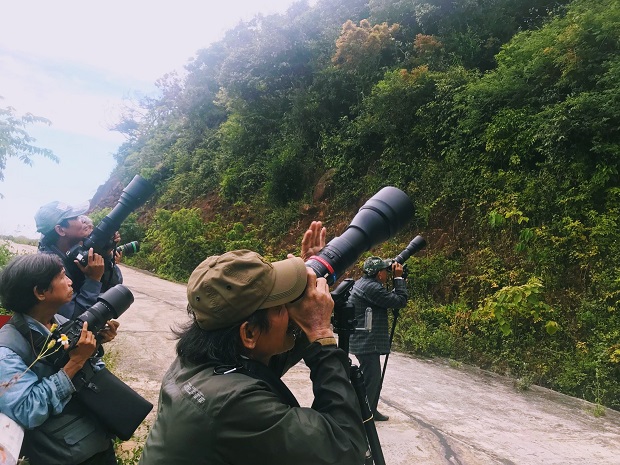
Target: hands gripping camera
point(416, 244)
point(110, 305)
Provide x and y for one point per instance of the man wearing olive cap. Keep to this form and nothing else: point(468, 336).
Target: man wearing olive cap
point(222, 400)
point(369, 292)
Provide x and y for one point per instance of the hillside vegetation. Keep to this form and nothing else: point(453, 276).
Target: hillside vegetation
point(499, 118)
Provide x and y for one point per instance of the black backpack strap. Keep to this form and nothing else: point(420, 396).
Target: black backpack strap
point(34, 340)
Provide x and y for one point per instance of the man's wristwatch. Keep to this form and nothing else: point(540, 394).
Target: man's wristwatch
point(326, 341)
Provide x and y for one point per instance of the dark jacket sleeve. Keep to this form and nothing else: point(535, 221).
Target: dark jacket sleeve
point(331, 432)
point(111, 277)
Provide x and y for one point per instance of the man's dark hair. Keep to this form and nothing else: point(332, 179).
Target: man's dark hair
point(222, 346)
point(22, 275)
point(52, 237)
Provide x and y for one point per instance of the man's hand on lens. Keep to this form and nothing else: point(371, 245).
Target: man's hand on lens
point(313, 311)
point(108, 332)
point(95, 267)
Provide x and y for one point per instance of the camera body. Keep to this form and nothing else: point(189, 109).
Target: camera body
point(100, 240)
point(110, 304)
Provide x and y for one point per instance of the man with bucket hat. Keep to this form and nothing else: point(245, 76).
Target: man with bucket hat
point(61, 229)
point(222, 400)
point(369, 292)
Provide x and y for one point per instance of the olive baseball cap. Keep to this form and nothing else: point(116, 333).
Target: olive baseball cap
point(226, 289)
point(373, 265)
point(53, 213)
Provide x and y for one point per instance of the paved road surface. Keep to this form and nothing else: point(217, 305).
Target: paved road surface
point(439, 413)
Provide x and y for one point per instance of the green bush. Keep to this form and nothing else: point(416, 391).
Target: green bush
point(5, 253)
point(5, 256)
point(177, 242)
point(425, 329)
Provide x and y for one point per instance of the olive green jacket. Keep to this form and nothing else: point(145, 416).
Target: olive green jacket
point(239, 418)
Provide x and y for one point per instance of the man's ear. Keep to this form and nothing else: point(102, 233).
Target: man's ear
point(248, 335)
point(59, 230)
point(38, 293)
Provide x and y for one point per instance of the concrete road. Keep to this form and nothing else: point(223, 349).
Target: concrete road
point(439, 413)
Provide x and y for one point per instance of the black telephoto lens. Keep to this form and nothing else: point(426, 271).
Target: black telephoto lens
point(416, 244)
point(380, 218)
point(129, 249)
point(134, 195)
point(111, 304)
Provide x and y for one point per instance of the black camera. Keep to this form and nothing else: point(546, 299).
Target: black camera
point(416, 244)
point(100, 240)
point(110, 304)
point(380, 218)
point(129, 249)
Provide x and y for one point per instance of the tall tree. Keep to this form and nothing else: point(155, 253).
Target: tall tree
point(15, 140)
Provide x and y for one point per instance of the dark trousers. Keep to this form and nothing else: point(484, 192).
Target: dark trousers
point(107, 457)
point(370, 364)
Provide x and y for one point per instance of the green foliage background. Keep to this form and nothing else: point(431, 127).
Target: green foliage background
point(5, 256)
point(500, 119)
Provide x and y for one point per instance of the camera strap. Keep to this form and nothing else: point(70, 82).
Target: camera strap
point(261, 372)
point(108, 274)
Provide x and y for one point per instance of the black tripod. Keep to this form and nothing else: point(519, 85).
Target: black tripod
point(344, 324)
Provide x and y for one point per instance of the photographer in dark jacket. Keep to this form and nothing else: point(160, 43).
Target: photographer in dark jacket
point(369, 292)
point(222, 400)
point(62, 228)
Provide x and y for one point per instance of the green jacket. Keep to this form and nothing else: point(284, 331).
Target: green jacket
point(239, 418)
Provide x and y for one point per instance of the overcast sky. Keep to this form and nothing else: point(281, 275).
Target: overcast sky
point(74, 62)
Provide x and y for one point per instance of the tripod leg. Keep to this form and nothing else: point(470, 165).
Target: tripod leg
point(396, 313)
point(357, 380)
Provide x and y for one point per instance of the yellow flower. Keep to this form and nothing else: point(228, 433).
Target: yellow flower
point(53, 328)
point(63, 339)
point(51, 344)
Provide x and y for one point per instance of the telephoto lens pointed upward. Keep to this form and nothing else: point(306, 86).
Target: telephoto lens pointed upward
point(379, 219)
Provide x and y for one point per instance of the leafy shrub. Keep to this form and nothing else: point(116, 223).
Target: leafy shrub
point(5, 256)
point(5, 253)
point(178, 242)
